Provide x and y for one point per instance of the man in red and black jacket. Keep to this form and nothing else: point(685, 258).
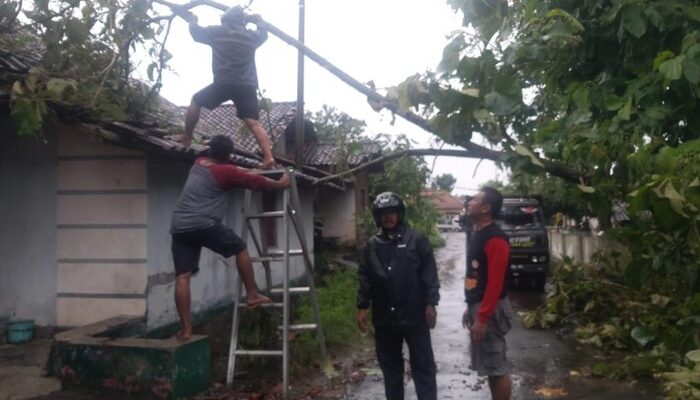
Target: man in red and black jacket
point(488, 313)
point(197, 222)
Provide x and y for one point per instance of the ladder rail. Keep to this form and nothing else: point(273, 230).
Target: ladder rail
point(238, 286)
point(290, 214)
point(285, 299)
point(299, 228)
point(261, 249)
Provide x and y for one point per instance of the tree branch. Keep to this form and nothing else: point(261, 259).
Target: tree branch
point(398, 154)
point(476, 150)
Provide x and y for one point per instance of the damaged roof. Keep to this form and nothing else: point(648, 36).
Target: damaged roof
point(275, 118)
point(19, 51)
point(158, 132)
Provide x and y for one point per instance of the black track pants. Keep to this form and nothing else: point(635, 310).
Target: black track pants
point(389, 342)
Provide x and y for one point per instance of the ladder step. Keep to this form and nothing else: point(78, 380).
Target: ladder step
point(268, 172)
point(276, 256)
point(264, 305)
point(269, 214)
point(270, 353)
point(300, 327)
point(292, 290)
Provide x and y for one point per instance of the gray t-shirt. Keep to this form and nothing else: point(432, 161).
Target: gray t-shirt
point(203, 201)
point(233, 52)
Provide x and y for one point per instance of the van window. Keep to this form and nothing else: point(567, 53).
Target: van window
point(519, 217)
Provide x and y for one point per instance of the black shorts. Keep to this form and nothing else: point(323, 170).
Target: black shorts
point(245, 98)
point(187, 246)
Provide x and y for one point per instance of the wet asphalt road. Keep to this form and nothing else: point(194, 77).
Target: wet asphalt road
point(542, 364)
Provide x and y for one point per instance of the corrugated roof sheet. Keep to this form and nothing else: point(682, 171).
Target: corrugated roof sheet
point(19, 51)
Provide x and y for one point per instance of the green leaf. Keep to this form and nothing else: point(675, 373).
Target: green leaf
point(499, 104)
point(570, 19)
point(634, 22)
point(483, 116)
point(530, 8)
point(672, 69)
point(661, 57)
point(28, 115)
point(57, 87)
point(626, 110)
point(450, 55)
point(692, 71)
point(693, 356)
point(586, 189)
point(524, 151)
point(77, 31)
point(676, 199)
point(613, 103)
point(404, 98)
point(355, 148)
point(17, 89)
point(657, 112)
point(471, 92)
point(642, 335)
point(659, 300)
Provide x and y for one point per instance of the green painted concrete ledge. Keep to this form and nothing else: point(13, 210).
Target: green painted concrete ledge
point(108, 355)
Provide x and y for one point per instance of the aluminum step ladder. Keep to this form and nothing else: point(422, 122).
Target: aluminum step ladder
point(290, 215)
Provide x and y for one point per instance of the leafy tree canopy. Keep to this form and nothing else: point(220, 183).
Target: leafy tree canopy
point(444, 182)
point(89, 48)
point(602, 94)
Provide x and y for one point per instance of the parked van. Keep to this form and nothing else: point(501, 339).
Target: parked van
point(523, 221)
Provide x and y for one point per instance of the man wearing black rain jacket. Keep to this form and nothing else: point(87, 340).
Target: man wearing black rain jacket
point(398, 278)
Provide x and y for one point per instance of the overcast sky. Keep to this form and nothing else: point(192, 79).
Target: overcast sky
point(380, 40)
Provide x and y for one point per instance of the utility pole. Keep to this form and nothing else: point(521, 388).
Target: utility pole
point(299, 141)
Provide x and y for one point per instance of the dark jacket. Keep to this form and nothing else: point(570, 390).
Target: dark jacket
point(398, 277)
point(478, 266)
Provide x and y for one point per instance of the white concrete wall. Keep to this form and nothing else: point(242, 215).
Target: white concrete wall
point(337, 211)
point(580, 246)
point(101, 230)
point(213, 286)
point(27, 225)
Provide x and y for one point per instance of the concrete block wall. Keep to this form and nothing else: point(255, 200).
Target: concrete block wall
point(101, 230)
point(27, 225)
point(337, 212)
point(580, 246)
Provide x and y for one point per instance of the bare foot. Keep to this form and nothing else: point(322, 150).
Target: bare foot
point(267, 163)
point(184, 335)
point(184, 140)
point(257, 299)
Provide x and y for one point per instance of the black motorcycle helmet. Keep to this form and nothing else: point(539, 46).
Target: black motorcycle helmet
point(386, 201)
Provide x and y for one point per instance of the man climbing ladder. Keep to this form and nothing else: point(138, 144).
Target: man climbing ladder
point(197, 222)
point(235, 76)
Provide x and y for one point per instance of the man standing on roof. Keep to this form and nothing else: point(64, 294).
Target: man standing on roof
point(197, 222)
point(235, 76)
point(398, 278)
point(488, 314)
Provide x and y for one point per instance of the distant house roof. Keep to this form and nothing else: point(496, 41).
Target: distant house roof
point(444, 201)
